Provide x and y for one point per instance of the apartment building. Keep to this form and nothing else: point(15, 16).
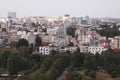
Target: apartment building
point(93, 49)
point(46, 50)
point(116, 42)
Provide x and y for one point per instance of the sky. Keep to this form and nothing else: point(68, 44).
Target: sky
point(55, 8)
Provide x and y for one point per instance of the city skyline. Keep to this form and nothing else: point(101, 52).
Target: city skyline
point(54, 8)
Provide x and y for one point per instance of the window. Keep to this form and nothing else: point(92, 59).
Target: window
point(46, 49)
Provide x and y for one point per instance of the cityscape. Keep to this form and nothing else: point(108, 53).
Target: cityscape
point(57, 33)
point(45, 36)
point(59, 40)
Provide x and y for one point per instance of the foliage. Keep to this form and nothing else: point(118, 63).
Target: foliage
point(71, 44)
point(38, 41)
point(77, 59)
point(73, 75)
point(51, 67)
point(34, 24)
point(71, 31)
point(14, 65)
point(109, 32)
point(22, 42)
point(13, 44)
point(90, 62)
point(53, 52)
point(24, 51)
point(3, 58)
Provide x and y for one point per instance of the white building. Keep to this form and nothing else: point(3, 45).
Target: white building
point(44, 50)
point(61, 31)
point(52, 31)
point(84, 49)
point(59, 42)
point(58, 35)
point(71, 49)
point(58, 31)
point(22, 34)
point(87, 39)
point(93, 49)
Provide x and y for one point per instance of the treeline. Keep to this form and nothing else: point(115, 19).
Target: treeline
point(52, 66)
point(16, 60)
point(109, 32)
point(18, 57)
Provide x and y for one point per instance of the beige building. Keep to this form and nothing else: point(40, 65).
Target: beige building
point(31, 38)
point(116, 42)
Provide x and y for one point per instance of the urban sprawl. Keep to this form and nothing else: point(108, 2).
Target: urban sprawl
point(66, 33)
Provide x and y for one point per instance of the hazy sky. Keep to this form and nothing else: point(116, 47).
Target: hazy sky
point(54, 8)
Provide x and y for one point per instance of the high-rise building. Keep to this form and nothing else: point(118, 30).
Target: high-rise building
point(11, 16)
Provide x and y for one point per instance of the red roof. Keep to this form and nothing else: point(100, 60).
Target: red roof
point(102, 40)
point(117, 50)
point(105, 46)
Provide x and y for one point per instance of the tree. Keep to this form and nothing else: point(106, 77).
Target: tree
point(77, 59)
point(3, 58)
point(78, 50)
point(36, 57)
point(25, 51)
point(22, 42)
point(99, 60)
point(38, 41)
point(109, 32)
point(72, 74)
point(31, 47)
point(71, 44)
point(46, 64)
point(54, 52)
point(24, 24)
point(35, 30)
point(13, 44)
point(34, 24)
point(13, 64)
point(52, 74)
point(111, 62)
point(90, 62)
point(71, 31)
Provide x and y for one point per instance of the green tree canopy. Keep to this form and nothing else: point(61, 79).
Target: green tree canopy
point(13, 64)
point(71, 31)
point(13, 44)
point(22, 42)
point(38, 41)
point(3, 58)
point(109, 32)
